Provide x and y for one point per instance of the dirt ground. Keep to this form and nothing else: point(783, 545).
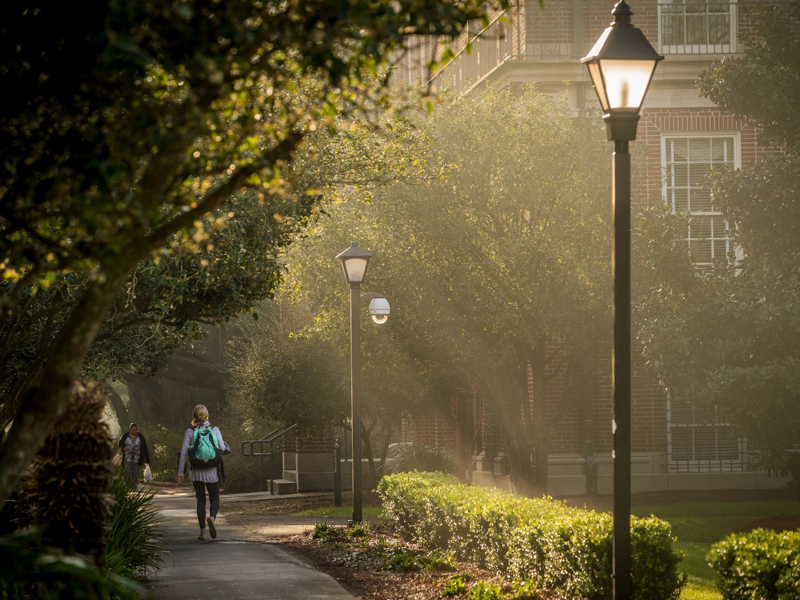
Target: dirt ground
point(367, 578)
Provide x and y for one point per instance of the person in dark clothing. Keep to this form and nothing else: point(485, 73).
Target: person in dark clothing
point(134, 451)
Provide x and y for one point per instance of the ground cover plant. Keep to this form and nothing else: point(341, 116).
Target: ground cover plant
point(362, 546)
point(559, 548)
point(699, 525)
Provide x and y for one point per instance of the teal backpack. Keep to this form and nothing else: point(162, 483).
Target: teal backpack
point(205, 452)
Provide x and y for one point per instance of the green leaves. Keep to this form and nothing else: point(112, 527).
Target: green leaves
point(537, 541)
point(759, 564)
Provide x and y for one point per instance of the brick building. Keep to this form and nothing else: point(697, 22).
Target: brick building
point(674, 446)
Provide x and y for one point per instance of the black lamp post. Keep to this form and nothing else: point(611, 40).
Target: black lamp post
point(355, 261)
point(621, 66)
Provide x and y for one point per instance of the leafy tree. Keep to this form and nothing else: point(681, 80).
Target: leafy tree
point(167, 298)
point(728, 338)
point(495, 263)
point(130, 125)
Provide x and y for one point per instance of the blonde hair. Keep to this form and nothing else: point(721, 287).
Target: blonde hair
point(200, 415)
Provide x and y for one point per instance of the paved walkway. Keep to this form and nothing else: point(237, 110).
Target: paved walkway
point(240, 563)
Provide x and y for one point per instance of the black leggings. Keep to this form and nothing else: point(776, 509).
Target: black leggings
point(200, 494)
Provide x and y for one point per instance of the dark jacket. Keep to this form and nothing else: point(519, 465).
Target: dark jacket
point(144, 453)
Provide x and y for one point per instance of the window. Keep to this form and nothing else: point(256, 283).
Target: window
point(686, 160)
point(699, 441)
point(692, 27)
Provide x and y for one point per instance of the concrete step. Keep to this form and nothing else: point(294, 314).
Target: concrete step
point(284, 486)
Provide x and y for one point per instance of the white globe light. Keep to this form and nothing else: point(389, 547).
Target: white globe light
point(379, 309)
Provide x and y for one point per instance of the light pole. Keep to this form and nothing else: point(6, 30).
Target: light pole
point(355, 261)
point(621, 66)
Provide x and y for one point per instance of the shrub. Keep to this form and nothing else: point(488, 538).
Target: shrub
point(67, 493)
point(133, 543)
point(759, 564)
point(419, 457)
point(559, 548)
point(29, 570)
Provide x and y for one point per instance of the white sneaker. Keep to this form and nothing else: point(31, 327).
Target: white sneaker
point(202, 535)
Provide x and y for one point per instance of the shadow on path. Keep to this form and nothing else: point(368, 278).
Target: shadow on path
point(240, 563)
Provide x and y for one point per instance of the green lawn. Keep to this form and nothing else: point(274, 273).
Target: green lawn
point(699, 525)
point(368, 512)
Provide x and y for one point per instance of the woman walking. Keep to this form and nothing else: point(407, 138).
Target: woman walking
point(133, 448)
point(202, 478)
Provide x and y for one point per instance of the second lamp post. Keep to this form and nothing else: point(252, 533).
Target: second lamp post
point(355, 261)
point(621, 66)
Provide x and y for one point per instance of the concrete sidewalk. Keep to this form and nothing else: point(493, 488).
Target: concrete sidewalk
point(240, 563)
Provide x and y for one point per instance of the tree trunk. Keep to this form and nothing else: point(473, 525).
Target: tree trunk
point(365, 440)
point(43, 404)
point(114, 399)
point(506, 398)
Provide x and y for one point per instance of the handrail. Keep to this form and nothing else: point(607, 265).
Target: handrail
point(267, 439)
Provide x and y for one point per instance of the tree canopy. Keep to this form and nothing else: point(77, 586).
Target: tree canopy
point(131, 124)
point(494, 260)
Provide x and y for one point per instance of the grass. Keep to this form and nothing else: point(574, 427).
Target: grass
point(699, 525)
point(368, 512)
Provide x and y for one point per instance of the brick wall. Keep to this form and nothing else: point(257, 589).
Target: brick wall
point(322, 442)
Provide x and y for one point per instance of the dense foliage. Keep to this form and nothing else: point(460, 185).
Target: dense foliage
point(494, 263)
point(756, 565)
point(67, 493)
point(29, 570)
point(563, 549)
point(407, 458)
point(133, 123)
point(133, 544)
point(727, 338)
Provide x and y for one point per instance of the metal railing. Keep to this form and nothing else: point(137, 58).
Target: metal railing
point(557, 34)
point(700, 441)
point(270, 439)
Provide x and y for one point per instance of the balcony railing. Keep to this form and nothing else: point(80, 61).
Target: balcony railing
point(524, 32)
point(521, 32)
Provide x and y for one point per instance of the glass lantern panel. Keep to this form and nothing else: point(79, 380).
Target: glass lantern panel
point(626, 82)
point(597, 80)
point(355, 268)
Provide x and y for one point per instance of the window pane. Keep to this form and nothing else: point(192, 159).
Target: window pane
point(687, 162)
point(727, 447)
point(701, 251)
point(705, 443)
point(719, 227)
point(700, 228)
point(681, 443)
point(700, 150)
point(679, 175)
point(680, 200)
point(677, 150)
point(700, 201)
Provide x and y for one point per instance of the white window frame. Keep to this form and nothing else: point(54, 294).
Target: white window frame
point(693, 49)
point(702, 466)
point(737, 163)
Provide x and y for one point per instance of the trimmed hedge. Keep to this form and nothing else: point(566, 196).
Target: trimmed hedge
point(560, 548)
point(756, 565)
